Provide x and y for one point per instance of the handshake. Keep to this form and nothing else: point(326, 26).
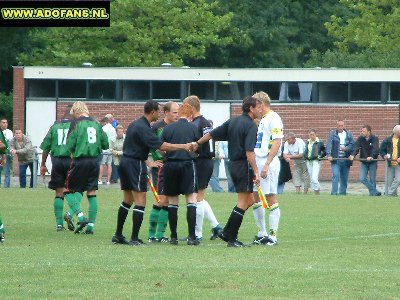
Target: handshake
point(191, 147)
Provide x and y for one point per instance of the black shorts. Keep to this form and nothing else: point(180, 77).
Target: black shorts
point(204, 169)
point(157, 177)
point(83, 174)
point(133, 174)
point(59, 171)
point(242, 175)
point(179, 178)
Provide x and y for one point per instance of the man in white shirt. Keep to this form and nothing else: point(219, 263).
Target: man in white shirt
point(107, 154)
point(8, 134)
point(294, 150)
point(269, 139)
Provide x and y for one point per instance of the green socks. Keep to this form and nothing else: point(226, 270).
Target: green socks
point(58, 210)
point(1, 226)
point(93, 208)
point(74, 202)
point(162, 222)
point(153, 219)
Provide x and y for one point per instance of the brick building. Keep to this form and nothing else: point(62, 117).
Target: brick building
point(305, 98)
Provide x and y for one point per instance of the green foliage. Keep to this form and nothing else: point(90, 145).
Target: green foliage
point(369, 36)
point(330, 247)
point(274, 33)
point(6, 107)
point(142, 33)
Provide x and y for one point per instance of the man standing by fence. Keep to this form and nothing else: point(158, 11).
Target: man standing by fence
point(338, 148)
point(368, 146)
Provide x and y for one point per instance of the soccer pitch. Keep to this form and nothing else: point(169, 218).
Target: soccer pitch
point(330, 247)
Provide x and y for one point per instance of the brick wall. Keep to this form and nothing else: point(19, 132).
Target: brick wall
point(300, 118)
point(19, 98)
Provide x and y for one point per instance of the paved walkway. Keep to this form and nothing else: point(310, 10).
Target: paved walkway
point(354, 188)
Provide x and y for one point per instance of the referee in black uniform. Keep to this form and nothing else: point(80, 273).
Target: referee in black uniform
point(140, 138)
point(241, 134)
point(180, 173)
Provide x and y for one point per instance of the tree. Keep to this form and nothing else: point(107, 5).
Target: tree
point(273, 33)
point(142, 33)
point(368, 37)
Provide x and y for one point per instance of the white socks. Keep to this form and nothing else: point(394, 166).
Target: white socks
point(259, 216)
point(204, 209)
point(199, 219)
point(209, 214)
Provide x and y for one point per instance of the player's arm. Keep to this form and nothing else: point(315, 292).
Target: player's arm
point(43, 168)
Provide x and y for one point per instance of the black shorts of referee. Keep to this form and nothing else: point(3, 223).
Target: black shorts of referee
point(133, 174)
point(204, 168)
point(59, 171)
point(157, 177)
point(179, 177)
point(242, 175)
point(83, 175)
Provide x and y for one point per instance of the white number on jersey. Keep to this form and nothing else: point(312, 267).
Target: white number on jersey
point(62, 136)
point(91, 132)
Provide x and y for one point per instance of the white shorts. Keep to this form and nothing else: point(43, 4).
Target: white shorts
point(269, 185)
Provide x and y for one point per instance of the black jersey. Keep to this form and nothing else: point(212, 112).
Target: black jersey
point(204, 127)
point(180, 132)
point(241, 134)
point(140, 138)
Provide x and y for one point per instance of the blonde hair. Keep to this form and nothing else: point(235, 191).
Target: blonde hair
point(263, 97)
point(193, 101)
point(80, 108)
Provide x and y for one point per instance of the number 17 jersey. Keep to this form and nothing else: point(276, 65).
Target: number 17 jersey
point(55, 141)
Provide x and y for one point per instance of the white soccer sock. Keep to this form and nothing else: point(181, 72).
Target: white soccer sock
point(199, 219)
point(259, 216)
point(209, 214)
point(274, 216)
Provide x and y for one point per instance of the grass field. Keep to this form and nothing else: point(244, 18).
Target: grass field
point(329, 248)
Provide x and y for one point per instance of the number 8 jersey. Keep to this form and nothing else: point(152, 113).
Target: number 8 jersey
point(270, 128)
point(86, 138)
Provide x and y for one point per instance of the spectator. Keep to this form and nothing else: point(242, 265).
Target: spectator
point(285, 174)
point(112, 120)
point(294, 150)
point(116, 147)
point(314, 150)
point(214, 181)
point(368, 146)
point(21, 146)
point(390, 151)
point(223, 152)
point(338, 148)
point(114, 169)
point(107, 154)
point(3, 149)
point(8, 134)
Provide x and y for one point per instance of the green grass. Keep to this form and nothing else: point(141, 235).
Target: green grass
point(329, 248)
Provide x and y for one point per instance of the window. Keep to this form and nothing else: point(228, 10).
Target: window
point(72, 89)
point(41, 88)
point(166, 90)
point(271, 88)
point(135, 90)
point(365, 91)
point(333, 92)
point(204, 90)
point(230, 90)
point(102, 89)
point(394, 91)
